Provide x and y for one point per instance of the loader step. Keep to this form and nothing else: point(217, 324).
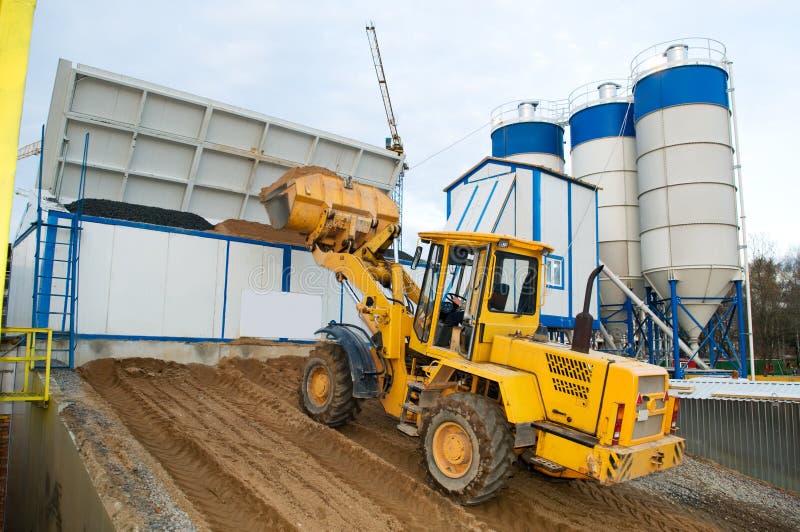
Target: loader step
point(545, 464)
point(416, 386)
point(408, 429)
point(411, 407)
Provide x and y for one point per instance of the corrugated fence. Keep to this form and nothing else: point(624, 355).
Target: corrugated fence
point(759, 438)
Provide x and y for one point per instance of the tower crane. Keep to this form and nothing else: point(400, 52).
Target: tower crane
point(393, 143)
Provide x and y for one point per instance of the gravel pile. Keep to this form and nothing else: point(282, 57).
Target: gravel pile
point(126, 478)
point(739, 502)
point(119, 210)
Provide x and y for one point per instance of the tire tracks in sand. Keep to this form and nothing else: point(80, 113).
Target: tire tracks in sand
point(248, 459)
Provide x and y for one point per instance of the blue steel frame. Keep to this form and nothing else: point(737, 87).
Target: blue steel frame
point(635, 327)
point(727, 348)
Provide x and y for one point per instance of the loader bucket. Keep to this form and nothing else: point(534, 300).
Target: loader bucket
point(329, 211)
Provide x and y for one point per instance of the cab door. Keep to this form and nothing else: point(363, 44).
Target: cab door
point(509, 305)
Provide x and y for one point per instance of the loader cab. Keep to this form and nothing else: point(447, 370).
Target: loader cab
point(475, 287)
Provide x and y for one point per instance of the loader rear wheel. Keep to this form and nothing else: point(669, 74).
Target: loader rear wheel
point(327, 388)
point(468, 447)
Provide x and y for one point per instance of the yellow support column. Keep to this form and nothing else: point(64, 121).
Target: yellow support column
point(16, 22)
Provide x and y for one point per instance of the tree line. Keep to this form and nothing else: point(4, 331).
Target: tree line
point(775, 293)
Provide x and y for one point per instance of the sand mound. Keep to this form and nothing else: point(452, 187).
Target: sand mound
point(245, 457)
point(259, 231)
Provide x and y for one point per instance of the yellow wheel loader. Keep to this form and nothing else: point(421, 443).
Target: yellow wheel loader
point(457, 359)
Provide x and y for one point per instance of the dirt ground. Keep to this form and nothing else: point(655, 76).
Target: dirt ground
point(238, 454)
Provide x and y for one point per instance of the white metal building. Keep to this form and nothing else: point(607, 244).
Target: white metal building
point(105, 283)
point(533, 202)
point(153, 145)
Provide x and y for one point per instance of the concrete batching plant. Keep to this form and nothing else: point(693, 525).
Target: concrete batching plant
point(658, 148)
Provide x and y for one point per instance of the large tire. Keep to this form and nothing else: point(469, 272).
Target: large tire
point(326, 392)
point(468, 448)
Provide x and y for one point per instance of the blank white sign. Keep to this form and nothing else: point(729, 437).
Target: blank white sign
point(280, 315)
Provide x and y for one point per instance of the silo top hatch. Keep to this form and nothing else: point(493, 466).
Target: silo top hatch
point(678, 52)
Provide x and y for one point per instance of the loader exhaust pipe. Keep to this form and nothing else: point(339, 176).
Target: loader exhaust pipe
point(582, 334)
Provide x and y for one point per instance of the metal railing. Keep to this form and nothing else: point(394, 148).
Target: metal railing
point(591, 94)
point(29, 338)
point(698, 51)
point(531, 110)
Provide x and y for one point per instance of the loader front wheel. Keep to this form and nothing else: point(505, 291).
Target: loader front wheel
point(468, 447)
point(327, 388)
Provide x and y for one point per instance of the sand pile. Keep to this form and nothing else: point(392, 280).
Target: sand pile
point(259, 231)
point(244, 457)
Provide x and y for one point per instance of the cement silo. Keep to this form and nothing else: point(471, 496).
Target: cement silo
point(530, 132)
point(687, 201)
point(603, 152)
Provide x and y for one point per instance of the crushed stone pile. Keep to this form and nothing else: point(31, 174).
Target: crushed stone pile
point(132, 212)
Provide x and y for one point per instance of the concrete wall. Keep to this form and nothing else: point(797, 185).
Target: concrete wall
point(48, 485)
point(209, 353)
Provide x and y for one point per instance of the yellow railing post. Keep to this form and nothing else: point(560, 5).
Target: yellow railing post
point(28, 393)
point(16, 22)
point(47, 365)
point(28, 361)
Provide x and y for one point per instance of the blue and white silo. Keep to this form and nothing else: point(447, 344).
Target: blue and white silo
point(687, 203)
point(530, 132)
point(603, 153)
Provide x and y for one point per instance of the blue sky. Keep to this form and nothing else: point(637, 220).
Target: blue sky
point(448, 65)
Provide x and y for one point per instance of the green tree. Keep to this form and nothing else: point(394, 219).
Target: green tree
point(767, 298)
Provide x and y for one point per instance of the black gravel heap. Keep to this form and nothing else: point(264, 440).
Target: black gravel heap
point(119, 210)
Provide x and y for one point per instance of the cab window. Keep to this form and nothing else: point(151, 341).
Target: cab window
point(514, 283)
point(427, 294)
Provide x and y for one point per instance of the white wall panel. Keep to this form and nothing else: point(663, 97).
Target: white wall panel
point(254, 268)
point(137, 276)
point(478, 212)
point(106, 99)
point(162, 113)
point(190, 295)
point(178, 138)
point(524, 196)
point(20, 287)
point(237, 131)
point(94, 280)
point(309, 278)
point(554, 220)
point(584, 252)
point(280, 315)
point(146, 191)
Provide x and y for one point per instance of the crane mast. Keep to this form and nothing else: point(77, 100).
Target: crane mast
point(393, 143)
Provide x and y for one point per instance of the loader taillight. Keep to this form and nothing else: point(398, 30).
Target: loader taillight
point(618, 424)
point(674, 426)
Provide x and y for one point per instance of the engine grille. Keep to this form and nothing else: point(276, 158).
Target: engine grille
point(573, 373)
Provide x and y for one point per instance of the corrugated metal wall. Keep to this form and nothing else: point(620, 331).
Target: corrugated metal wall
point(758, 438)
